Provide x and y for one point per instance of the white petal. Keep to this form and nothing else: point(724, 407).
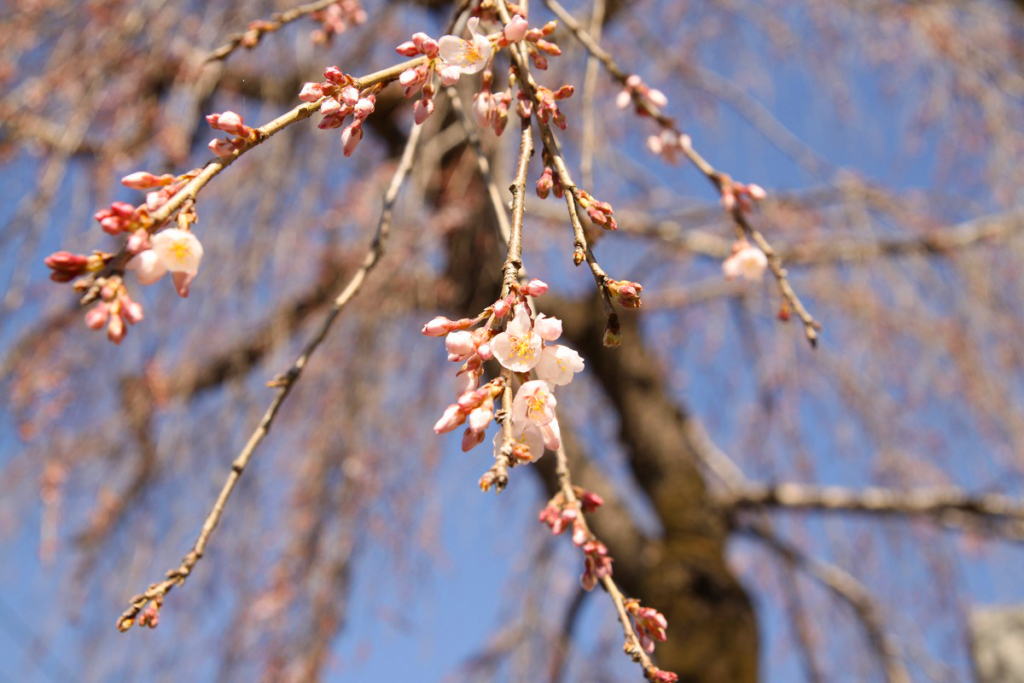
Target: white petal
point(179, 251)
point(147, 267)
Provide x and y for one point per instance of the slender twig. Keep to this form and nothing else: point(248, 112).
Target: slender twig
point(589, 94)
point(528, 86)
point(483, 165)
point(251, 36)
point(720, 180)
point(633, 645)
point(284, 384)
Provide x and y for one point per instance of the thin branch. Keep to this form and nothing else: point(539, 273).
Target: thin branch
point(528, 86)
point(721, 181)
point(847, 588)
point(251, 36)
point(283, 383)
point(589, 93)
point(633, 646)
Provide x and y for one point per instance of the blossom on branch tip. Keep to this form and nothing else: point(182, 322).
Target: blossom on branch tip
point(467, 56)
point(747, 261)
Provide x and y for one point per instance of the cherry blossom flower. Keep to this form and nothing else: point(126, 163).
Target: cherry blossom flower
point(147, 267)
point(179, 252)
point(535, 404)
point(518, 348)
point(467, 56)
point(747, 261)
point(547, 328)
point(558, 364)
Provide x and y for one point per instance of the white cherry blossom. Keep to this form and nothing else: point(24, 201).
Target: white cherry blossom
point(518, 348)
point(468, 56)
point(558, 364)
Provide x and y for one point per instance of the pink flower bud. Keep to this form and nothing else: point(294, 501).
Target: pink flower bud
point(657, 98)
point(334, 75)
point(123, 209)
point(221, 147)
point(460, 343)
point(633, 82)
point(591, 501)
point(116, 329)
point(350, 138)
point(422, 110)
point(66, 261)
point(97, 317)
point(311, 92)
point(350, 95)
point(502, 308)
point(450, 74)
point(471, 439)
point(111, 224)
point(452, 418)
point(407, 49)
point(132, 312)
point(363, 108)
point(480, 417)
point(438, 327)
point(428, 45)
point(516, 29)
point(141, 180)
point(548, 329)
point(756, 191)
point(485, 351)
point(535, 287)
point(330, 106)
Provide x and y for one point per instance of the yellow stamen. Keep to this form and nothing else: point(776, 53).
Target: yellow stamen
point(181, 250)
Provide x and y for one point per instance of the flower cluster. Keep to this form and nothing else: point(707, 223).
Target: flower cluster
point(739, 195)
point(547, 104)
point(538, 48)
point(549, 182)
point(232, 124)
point(336, 18)
point(341, 99)
point(650, 624)
point(491, 110)
point(669, 145)
point(746, 261)
point(634, 88)
point(524, 346)
point(599, 212)
point(150, 256)
point(560, 514)
point(627, 293)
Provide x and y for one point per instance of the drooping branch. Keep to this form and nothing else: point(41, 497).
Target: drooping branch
point(154, 595)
